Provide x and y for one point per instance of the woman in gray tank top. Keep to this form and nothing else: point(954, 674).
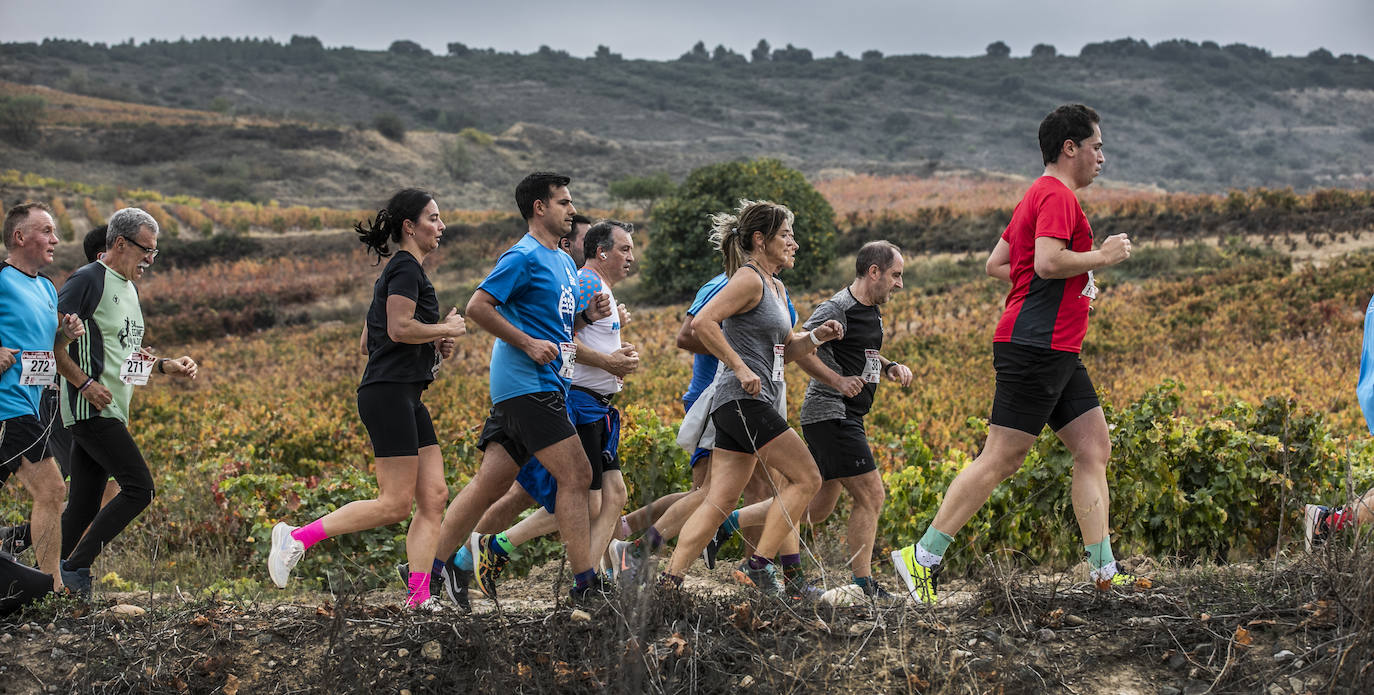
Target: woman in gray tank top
point(748, 328)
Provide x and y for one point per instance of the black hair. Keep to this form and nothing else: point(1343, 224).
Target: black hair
point(94, 242)
point(1068, 122)
point(601, 236)
point(881, 253)
point(379, 233)
point(537, 186)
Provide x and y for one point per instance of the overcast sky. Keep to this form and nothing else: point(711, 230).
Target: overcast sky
point(662, 30)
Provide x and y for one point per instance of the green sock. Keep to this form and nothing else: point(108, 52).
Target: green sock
point(1100, 554)
point(935, 541)
point(505, 543)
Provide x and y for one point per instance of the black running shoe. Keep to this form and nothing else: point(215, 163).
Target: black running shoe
point(456, 581)
point(713, 548)
point(596, 590)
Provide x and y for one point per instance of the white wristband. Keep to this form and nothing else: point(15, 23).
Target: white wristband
point(813, 338)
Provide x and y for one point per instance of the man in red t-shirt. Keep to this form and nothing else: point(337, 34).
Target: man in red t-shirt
point(1047, 255)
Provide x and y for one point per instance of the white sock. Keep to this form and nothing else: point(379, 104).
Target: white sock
point(925, 558)
point(1106, 571)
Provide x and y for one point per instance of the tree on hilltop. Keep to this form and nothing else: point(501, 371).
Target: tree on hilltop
point(407, 48)
point(698, 54)
point(1043, 50)
point(998, 49)
point(762, 53)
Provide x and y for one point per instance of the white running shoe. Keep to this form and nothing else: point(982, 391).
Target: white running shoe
point(286, 552)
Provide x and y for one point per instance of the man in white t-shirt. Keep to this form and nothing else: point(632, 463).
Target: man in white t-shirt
point(602, 363)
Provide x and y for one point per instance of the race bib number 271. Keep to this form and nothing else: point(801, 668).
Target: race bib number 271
point(136, 369)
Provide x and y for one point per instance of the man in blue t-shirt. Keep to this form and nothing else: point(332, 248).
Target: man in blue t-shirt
point(529, 302)
point(29, 326)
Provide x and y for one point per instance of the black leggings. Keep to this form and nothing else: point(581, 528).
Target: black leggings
point(102, 448)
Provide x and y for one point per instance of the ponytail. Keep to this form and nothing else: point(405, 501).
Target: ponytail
point(385, 229)
point(733, 234)
point(725, 238)
point(376, 233)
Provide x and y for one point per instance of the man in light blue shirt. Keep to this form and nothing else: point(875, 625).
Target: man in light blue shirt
point(28, 330)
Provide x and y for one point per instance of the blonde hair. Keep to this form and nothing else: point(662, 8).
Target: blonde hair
point(733, 233)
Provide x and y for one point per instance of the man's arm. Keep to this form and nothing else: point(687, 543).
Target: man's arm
point(999, 261)
point(848, 386)
point(481, 308)
point(619, 363)
point(1054, 260)
point(93, 391)
point(687, 338)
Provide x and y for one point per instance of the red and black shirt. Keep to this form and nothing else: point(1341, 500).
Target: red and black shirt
point(1044, 313)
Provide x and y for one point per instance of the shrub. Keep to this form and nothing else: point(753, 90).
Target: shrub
point(19, 119)
point(390, 126)
point(680, 257)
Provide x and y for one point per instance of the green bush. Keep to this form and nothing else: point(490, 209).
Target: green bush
point(19, 119)
point(680, 257)
point(390, 126)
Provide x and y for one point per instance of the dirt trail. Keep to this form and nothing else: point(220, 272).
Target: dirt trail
point(1229, 629)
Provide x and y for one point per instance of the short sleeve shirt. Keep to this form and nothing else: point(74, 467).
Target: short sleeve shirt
point(387, 360)
point(863, 330)
point(535, 288)
point(603, 335)
point(28, 322)
point(107, 304)
point(1043, 313)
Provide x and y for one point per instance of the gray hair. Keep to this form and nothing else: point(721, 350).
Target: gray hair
point(881, 253)
point(126, 222)
point(601, 236)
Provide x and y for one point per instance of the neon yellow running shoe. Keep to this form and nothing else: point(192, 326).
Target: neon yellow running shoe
point(1118, 580)
point(919, 580)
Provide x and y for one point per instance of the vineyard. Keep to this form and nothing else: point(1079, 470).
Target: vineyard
point(1230, 391)
point(1227, 371)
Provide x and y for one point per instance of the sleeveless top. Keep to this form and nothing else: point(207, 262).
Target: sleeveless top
point(752, 334)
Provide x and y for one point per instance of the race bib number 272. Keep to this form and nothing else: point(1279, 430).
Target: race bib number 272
point(37, 368)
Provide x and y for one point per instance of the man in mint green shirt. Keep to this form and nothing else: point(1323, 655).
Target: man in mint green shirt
point(99, 371)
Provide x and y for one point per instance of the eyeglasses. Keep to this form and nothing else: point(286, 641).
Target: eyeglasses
point(150, 253)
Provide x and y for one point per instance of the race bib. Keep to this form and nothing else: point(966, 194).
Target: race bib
point(38, 368)
point(1090, 289)
point(777, 361)
point(872, 366)
point(136, 369)
point(568, 351)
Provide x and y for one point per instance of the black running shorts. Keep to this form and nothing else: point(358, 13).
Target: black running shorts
point(396, 421)
point(746, 425)
point(1036, 386)
point(840, 448)
point(525, 424)
point(23, 439)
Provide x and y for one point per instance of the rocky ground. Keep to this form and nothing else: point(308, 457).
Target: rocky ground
point(1296, 627)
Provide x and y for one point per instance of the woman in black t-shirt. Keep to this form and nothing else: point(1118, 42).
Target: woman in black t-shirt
point(404, 340)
